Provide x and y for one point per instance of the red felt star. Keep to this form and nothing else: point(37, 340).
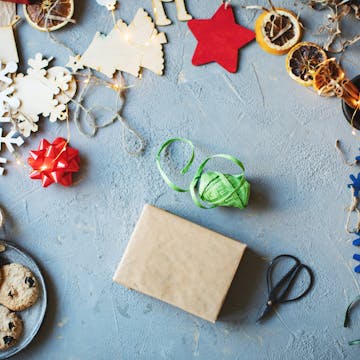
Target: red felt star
point(219, 39)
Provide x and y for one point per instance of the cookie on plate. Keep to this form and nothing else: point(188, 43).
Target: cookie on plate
point(10, 328)
point(19, 288)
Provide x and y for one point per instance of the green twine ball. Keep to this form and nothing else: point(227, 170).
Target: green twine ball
point(224, 189)
point(213, 187)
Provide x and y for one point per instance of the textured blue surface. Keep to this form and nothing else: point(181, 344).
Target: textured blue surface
point(285, 136)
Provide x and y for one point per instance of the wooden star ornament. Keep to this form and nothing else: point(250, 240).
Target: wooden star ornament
point(219, 39)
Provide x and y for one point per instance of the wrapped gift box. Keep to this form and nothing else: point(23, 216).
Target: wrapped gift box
point(179, 262)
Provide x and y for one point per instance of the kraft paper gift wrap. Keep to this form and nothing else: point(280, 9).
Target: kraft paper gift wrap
point(179, 262)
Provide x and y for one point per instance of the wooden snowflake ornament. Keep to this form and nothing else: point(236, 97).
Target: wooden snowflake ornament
point(42, 92)
point(8, 104)
point(126, 48)
point(24, 98)
point(9, 140)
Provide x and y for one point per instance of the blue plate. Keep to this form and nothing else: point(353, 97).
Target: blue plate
point(32, 317)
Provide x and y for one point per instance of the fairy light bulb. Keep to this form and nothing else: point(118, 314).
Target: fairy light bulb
point(127, 37)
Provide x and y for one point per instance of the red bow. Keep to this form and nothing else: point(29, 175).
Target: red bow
point(54, 163)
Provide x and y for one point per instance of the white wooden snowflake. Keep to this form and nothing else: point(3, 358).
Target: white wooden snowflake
point(6, 70)
point(24, 98)
point(9, 140)
point(8, 104)
point(42, 92)
point(39, 92)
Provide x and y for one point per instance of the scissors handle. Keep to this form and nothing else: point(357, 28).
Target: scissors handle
point(279, 293)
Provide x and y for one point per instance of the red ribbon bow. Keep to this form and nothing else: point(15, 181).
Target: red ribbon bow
point(54, 163)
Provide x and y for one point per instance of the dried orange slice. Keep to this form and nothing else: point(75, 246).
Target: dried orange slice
point(303, 60)
point(277, 31)
point(328, 78)
point(49, 15)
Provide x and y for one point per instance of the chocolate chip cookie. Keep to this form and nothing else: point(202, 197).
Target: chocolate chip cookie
point(11, 328)
point(19, 288)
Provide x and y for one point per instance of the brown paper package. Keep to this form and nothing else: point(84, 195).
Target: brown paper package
point(179, 262)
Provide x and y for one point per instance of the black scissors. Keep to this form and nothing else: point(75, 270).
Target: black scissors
point(279, 293)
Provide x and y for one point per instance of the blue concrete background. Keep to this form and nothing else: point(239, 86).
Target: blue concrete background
point(284, 134)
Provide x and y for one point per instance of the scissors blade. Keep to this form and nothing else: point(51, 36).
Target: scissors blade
point(265, 310)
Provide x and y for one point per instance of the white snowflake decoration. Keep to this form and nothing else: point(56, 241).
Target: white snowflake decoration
point(24, 98)
point(9, 68)
point(43, 92)
point(26, 126)
point(10, 140)
point(75, 63)
point(4, 118)
point(8, 104)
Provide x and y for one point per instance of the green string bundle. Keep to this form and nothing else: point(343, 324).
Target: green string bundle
point(213, 187)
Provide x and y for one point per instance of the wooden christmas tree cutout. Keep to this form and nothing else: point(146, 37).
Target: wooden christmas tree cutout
point(126, 48)
point(8, 50)
point(160, 16)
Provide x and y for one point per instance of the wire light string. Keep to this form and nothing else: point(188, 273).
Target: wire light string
point(91, 80)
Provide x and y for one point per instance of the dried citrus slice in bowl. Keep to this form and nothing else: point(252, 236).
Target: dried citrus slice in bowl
point(277, 31)
point(303, 60)
point(328, 77)
point(49, 15)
